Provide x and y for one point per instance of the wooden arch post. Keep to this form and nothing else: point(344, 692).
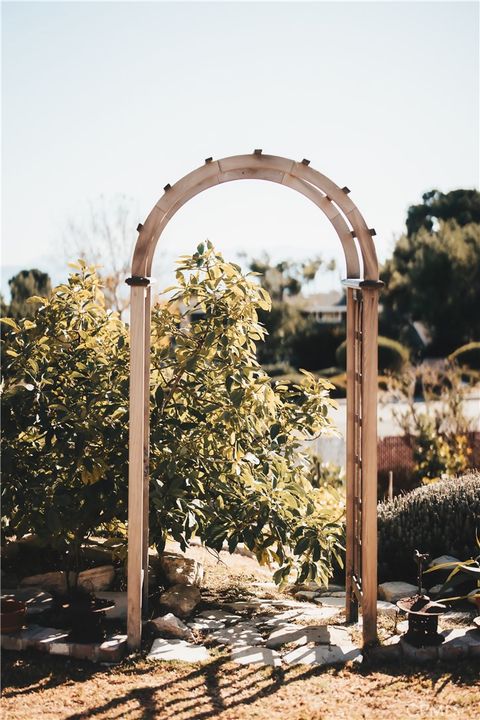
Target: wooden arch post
point(362, 287)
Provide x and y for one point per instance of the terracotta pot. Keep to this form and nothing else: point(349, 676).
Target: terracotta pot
point(12, 617)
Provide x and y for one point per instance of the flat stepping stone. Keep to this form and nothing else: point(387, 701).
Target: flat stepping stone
point(205, 624)
point(241, 634)
point(396, 590)
point(224, 616)
point(177, 650)
point(331, 601)
point(318, 613)
point(245, 605)
point(277, 620)
point(317, 634)
point(256, 656)
point(287, 634)
point(323, 655)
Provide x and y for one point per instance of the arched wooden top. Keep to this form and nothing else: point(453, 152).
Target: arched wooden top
point(332, 200)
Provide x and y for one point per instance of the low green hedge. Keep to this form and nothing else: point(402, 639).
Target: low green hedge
point(439, 519)
point(392, 355)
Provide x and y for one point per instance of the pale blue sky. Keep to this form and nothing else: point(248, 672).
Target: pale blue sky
point(124, 97)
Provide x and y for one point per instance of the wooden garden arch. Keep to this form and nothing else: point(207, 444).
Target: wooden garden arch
point(362, 286)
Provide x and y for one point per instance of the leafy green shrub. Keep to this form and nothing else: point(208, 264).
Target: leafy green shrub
point(467, 356)
point(227, 455)
point(440, 519)
point(65, 417)
point(392, 355)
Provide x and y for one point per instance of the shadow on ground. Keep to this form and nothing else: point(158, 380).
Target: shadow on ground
point(201, 692)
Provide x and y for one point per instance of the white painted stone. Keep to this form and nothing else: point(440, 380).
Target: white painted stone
point(246, 655)
point(181, 599)
point(386, 608)
point(180, 570)
point(31, 636)
point(330, 601)
point(59, 648)
point(396, 590)
point(338, 594)
point(177, 650)
point(169, 626)
point(240, 634)
point(402, 627)
point(323, 655)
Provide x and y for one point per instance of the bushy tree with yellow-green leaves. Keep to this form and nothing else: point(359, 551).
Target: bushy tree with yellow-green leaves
point(227, 456)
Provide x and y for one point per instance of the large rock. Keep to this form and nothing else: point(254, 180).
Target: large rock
point(169, 626)
point(94, 580)
point(55, 582)
point(181, 599)
point(393, 591)
point(97, 579)
point(180, 570)
point(442, 560)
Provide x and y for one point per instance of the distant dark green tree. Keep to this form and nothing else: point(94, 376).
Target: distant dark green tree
point(23, 286)
point(463, 206)
point(292, 338)
point(434, 277)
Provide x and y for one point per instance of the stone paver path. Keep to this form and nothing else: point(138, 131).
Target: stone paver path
point(177, 650)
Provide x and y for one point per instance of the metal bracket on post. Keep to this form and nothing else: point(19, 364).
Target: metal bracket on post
point(138, 280)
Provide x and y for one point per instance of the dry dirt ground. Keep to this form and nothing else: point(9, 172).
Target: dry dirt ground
point(37, 686)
